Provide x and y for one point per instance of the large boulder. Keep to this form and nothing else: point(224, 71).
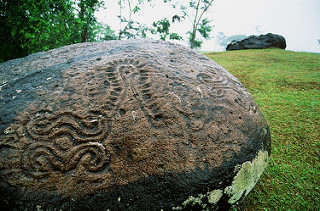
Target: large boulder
point(258, 42)
point(126, 125)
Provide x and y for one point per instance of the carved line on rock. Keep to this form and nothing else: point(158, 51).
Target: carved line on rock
point(117, 92)
point(212, 78)
point(150, 102)
point(40, 159)
point(64, 141)
point(47, 126)
point(132, 75)
point(218, 84)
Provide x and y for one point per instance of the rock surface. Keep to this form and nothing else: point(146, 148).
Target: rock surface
point(126, 125)
point(258, 42)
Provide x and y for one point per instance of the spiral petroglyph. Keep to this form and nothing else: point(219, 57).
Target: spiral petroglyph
point(64, 142)
point(40, 159)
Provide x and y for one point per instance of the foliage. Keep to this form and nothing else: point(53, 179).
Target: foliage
point(86, 20)
point(175, 36)
point(162, 27)
point(198, 9)
point(204, 29)
point(194, 43)
point(29, 26)
point(104, 32)
point(286, 85)
point(132, 29)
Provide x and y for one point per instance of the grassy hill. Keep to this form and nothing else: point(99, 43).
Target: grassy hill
point(286, 86)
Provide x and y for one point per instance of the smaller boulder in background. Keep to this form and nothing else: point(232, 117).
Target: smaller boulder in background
point(258, 42)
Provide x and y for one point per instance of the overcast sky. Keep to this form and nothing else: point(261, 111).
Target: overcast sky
point(298, 21)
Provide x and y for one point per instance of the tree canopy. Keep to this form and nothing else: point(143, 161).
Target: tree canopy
point(29, 26)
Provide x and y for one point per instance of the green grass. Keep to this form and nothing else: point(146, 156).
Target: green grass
point(286, 86)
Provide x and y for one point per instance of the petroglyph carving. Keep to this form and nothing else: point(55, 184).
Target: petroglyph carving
point(64, 142)
point(41, 159)
point(119, 121)
point(132, 77)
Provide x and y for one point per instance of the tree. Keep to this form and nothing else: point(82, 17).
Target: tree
point(104, 32)
point(86, 17)
point(162, 27)
point(194, 11)
point(29, 26)
point(132, 29)
point(198, 23)
point(9, 47)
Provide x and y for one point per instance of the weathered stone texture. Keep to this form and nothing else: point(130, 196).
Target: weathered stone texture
point(126, 125)
point(258, 42)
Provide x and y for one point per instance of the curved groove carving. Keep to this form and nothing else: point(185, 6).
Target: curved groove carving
point(117, 89)
point(217, 92)
point(212, 78)
point(150, 102)
point(126, 75)
point(64, 142)
point(40, 159)
point(82, 129)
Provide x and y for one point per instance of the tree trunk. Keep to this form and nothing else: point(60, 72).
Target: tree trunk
point(193, 38)
point(84, 28)
point(194, 27)
point(84, 34)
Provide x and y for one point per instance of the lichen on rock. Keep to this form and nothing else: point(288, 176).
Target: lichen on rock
point(247, 176)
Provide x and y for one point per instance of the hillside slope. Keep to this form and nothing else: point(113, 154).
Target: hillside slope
point(286, 86)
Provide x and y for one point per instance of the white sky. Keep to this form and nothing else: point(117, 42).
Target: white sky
point(297, 20)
